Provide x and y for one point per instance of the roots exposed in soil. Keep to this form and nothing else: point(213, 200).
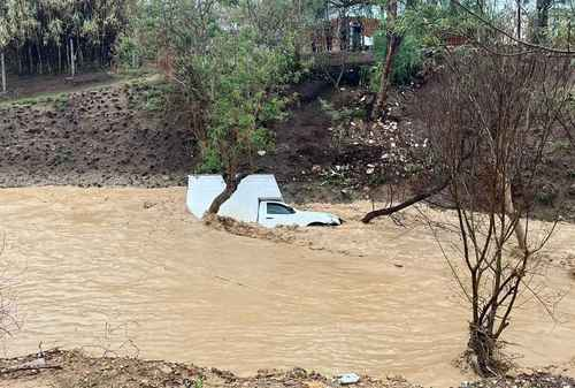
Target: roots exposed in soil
point(484, 354)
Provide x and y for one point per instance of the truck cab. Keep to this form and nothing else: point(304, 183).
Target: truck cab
point(273, 213)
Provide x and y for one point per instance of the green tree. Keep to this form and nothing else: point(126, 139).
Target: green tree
point(42, 30)
point(229, 61)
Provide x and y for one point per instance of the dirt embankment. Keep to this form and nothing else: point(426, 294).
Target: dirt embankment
point(121, 134)
point(58, 368)
point(93, 137)
point(129, 134)
point(65, 369)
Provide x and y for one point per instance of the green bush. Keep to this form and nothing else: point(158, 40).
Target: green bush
point(423, 26)
point(407, 62)
point(128, 52)
point(243, 82)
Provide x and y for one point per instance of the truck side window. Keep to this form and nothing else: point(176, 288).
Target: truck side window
point(279, 209)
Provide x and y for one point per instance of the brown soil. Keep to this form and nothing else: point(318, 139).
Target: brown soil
point(91, 138)
point(525, 380)
point(554, 187)
point(75, 369)
point(34, 86)
point(68, 369)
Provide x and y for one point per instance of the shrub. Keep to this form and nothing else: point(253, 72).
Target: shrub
point(407, 62)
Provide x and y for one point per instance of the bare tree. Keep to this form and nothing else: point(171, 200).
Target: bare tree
point(491, 122)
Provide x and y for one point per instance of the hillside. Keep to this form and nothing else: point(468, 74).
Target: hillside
point(132, 133)
point(96, 137)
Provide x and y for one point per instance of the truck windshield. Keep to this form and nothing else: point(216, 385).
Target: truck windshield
point(279, 209)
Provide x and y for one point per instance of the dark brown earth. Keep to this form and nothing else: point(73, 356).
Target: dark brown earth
point(30, 86)
point(91, 138)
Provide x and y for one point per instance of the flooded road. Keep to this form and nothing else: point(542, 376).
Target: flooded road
point(129, 271)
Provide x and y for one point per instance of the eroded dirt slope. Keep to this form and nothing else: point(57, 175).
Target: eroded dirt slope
point(128, 134)
point(91, 138)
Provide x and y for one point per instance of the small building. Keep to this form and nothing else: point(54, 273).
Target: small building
point(352, 31)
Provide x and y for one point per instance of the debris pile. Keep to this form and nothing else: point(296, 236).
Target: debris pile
point(537, 379)
point(75, 369)
point(251, 230)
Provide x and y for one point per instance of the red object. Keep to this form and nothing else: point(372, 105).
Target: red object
point(456, 40)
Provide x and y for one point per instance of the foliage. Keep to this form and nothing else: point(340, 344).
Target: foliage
point(128, 52)
point(563, 22)
point(149, 95)
point(244, 81)
point(407, 62)
point(423, 27)
point(229, 62)
point(36, 33)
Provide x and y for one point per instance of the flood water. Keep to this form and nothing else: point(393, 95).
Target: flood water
point(129, 271)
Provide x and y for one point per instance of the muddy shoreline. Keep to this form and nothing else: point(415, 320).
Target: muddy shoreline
point(73, 368)
point(61, 368)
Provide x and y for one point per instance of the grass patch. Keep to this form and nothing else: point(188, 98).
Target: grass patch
point(149, 95)
point(58, 100)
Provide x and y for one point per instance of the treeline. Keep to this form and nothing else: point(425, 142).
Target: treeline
point(54, 36)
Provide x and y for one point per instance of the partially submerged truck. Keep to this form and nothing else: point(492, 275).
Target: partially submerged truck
point(258, 199)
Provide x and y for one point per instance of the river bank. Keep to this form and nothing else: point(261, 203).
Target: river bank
point(61, 368)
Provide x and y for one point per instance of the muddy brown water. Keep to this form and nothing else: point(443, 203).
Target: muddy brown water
point(129, 271)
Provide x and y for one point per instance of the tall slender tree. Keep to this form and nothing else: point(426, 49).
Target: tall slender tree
point(5, 38)
point(541, 28)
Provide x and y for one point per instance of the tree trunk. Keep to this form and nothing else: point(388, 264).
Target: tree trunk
point(79, 56)
point(519, 19)
point(30, 59)
point(393, 43)
point(541, 21)
point(40, 64)
point(19, 59)
point(3, 70)
point(420, 197)
point(134, 60)
point(59, 58)
point(519, 227)
point(231, 186)
point(72, 59)
point(482, 347)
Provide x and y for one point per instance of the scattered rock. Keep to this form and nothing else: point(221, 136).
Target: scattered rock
point(348, 378)
point(537, 379)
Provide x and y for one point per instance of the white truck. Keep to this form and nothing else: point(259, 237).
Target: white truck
point(258, 200)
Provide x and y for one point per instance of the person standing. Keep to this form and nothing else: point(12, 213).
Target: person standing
point(328, 37)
